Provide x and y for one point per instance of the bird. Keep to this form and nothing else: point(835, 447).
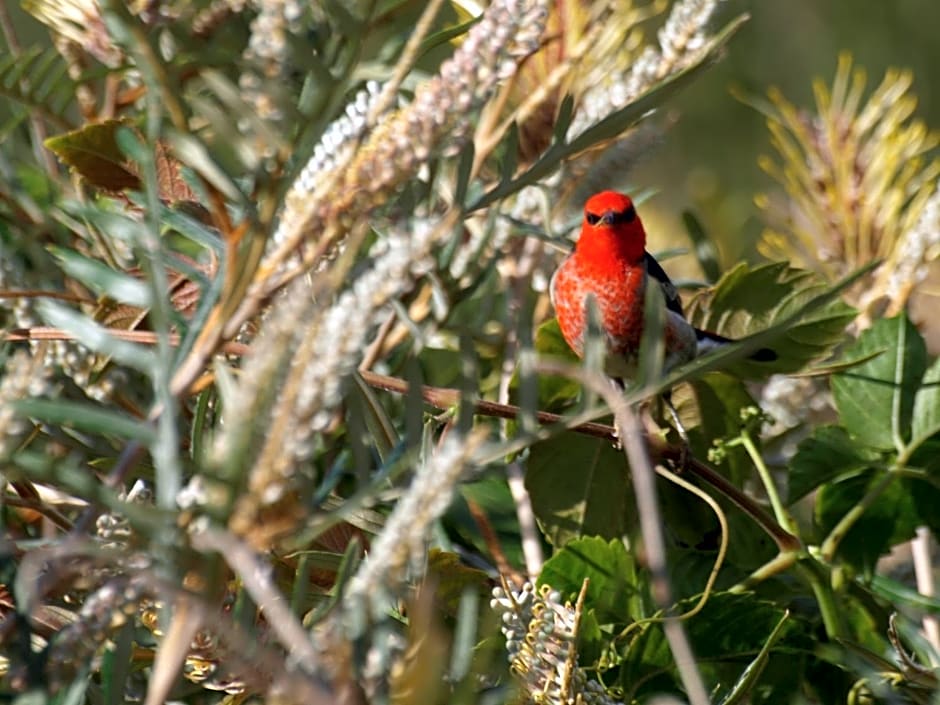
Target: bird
point(610, 263)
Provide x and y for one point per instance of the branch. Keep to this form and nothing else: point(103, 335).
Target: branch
point(660, 451)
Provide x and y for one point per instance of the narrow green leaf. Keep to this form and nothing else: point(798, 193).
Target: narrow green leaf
point(377, 420)
point(103, 280)
point(510, 160)
point(445, 35)
point(615, 123)
point(464, 166)
point(84, 417)
point(97, 338)
point(875, 400)
point(745, 684)
point(897, 593)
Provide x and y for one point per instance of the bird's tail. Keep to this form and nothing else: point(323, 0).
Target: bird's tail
point(708, 341)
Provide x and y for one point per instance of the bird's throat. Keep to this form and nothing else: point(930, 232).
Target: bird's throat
point(606, 249)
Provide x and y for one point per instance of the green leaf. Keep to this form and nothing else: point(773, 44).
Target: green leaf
point(612, 590)
point(85, 417)
point(827, 454)
point(925, 421)
point(578, 486)
point(96, 337)
point(729, 627)
point(888, 521)
point(93, 152)
point(103, 280)
point(720, 398)
point(745, 684)
point(749, 300)
point(555, 392)
point(453, 578)
point(875, 400)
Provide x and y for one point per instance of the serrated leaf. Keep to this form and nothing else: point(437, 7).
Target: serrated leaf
point(875, 400)
point(889, 520)
point(578, 486)
point(749, 300)
point(827, 454)
point(729, 626)
point(612, 591)
point(93, 152)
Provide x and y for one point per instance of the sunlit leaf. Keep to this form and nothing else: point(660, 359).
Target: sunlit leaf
point(94, 153)
point(876, 399)
point(579, 487)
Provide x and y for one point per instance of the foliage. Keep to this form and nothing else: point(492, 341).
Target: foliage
point(258, 231)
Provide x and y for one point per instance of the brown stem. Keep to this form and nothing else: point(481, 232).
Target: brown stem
point(444, 398)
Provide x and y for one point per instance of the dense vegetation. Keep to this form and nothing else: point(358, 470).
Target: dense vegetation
point(284, 413)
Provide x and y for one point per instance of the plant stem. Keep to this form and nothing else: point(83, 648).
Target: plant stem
point(831, 544)
point(770, 487)
point(812, 570)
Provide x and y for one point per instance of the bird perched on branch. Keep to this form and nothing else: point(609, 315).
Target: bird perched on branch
point(610, 263)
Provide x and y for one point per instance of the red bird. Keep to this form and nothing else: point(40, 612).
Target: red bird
point(610, 263)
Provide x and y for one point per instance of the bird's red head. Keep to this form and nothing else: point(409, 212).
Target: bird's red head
point(611, 229)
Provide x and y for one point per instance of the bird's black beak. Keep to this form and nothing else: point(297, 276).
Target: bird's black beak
point(609, 217)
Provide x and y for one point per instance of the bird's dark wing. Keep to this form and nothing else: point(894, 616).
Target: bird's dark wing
point(673, 303)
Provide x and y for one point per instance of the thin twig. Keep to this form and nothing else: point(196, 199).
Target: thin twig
point(923, 572)
point(256, 578)
point(444, 398)
point(644, 485)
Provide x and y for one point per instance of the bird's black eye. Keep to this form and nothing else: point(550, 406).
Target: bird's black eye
point(629, 215)
point(592, 218)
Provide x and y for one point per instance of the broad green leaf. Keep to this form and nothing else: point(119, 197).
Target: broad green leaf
point(749, 300)
point(93, 152)
point(720, 398)
point(731, 627)
point(579, 487)
point(555, 392)
point(925, 421)
point(888, 521)
point(492, 495)
point(612, 590)
point(875, 400)
point(828, 453)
